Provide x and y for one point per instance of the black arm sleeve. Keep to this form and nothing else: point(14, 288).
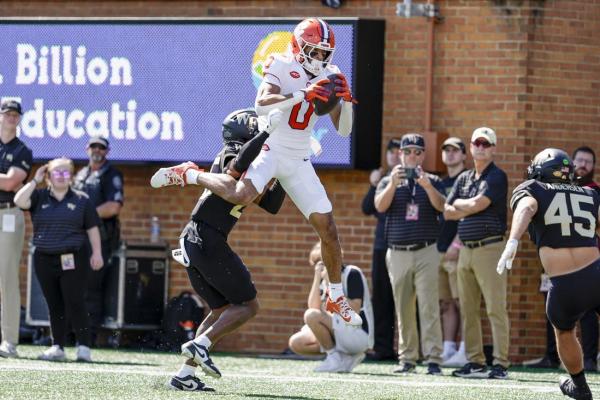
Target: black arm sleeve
point(273, 198)
point(355, 286)
point(368, 203)
point(249, 152)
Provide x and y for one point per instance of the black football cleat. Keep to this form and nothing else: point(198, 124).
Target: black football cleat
point(569, 389)
point(200, 355)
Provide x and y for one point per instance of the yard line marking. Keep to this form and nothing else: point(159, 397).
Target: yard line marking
point(58, 367)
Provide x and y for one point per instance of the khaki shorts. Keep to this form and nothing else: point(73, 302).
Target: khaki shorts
point(448, 284)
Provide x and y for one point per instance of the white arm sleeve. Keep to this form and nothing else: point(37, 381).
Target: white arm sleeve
point(346, 117)
point(296, 98)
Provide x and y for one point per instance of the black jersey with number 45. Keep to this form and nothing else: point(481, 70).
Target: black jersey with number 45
point(566, 215)
point(223, 215)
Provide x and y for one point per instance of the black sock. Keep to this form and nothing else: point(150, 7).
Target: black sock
point(579, 379)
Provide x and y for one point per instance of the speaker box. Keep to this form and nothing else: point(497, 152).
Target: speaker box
point(136, 291)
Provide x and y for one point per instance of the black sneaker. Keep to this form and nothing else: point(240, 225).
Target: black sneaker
point(374, 356)
point(498, 372)
point(201, 356)
point(405, 368)
point(188, 384)
point(545, 362)
point(472, 370)
point(569, 389)
point(433, 369)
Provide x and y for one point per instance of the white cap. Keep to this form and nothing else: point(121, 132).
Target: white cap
point(485, 133)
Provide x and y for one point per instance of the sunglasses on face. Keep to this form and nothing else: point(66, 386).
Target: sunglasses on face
point(416, 152)
point(97, 146)
point(58, 174)
point(482, 143)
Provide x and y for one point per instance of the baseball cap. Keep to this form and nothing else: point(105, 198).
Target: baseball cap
point(394, 144)
point(11, 105)
point(484, 133)
point(456, 143)
point(412, 140)
point(98, 140)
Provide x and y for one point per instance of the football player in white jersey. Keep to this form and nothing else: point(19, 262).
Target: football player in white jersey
point(290, 84)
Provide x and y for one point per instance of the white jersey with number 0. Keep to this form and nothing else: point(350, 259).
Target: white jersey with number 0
point(292, 136)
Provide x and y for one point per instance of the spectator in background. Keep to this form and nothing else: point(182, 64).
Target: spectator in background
point(448, 244)
point(63, 221)
point(15, 165)
point(412, 200)
point(478, 202)
point(584, 160)
point(382, 297)
point(345, 345)
point(103, 183)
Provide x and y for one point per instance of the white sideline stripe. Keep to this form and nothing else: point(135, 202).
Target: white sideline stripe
point(58, 367)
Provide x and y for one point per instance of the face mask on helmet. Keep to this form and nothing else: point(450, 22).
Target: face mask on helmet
point(311, 37)
point(240, 126)
point(551, 166)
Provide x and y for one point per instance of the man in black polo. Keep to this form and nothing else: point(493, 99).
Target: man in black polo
point(412, 200)
point(478, 202)
point(15, 165)
point(104, 184)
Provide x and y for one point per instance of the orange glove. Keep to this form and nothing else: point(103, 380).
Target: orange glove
point(343, 90)
point(317, 91)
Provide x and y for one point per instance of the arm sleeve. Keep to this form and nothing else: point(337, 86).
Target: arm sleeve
point(23, 160)
point(112, 187)
point(249, 151)
point(355, 286)
point(35, 198)
point(523, 190)
point(273, 198)
point(368, 203)
point(90, 215)
point(497, 186)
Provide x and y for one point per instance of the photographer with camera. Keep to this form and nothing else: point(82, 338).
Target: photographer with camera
point(412, 200)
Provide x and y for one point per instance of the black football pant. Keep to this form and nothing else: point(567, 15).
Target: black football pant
point(65, 292)
point(382, 300)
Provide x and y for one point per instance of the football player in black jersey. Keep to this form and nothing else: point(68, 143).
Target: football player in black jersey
point(216, 272)
point(562, 220)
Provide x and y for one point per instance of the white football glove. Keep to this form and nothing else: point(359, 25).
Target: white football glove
point(269, 122)
point(508, 255)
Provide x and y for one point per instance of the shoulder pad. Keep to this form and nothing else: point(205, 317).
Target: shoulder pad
point(523, 190)
point(275, 65)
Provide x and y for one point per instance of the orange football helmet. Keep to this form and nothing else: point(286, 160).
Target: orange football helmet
point(311, 34)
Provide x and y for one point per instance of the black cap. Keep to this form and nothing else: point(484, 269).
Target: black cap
point(98, 140)
point(11, 105)
point(394, 144)
point(455, 142)
point(412, 140)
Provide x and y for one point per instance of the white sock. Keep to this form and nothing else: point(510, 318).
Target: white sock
point(331, 350)
point(191, 176)
point(449, 346)
point(202, 340)
point(335, 290)
point(461, 348)
point(186, 370)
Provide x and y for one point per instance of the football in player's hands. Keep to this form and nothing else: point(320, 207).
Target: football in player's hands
point(322, 107)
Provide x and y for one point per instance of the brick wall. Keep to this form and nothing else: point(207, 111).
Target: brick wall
point(529, 69)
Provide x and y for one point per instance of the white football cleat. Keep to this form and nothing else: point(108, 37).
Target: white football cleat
point(53, 353)
point(172, 175)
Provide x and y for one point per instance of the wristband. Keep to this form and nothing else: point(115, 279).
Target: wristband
point(35, 181)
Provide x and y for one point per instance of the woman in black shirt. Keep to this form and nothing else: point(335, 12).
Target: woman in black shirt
point(63, 221)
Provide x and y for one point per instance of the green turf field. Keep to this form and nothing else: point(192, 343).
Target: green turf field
point(134, 375)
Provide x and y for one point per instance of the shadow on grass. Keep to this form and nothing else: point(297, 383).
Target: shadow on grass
point(82, 363)
point(274, 396)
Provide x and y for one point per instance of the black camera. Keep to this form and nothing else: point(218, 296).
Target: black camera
point(411, 173)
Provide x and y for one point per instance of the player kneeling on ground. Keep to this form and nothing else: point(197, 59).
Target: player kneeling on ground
point(216, 272)
point(344, 344)
point(563, 219)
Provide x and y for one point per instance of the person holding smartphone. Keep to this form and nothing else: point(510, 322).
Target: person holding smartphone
point(412, 200)
point(63, 221)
